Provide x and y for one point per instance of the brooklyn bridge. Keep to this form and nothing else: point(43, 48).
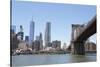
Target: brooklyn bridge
point(80, 34)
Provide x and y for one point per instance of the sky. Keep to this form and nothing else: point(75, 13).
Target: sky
point(60, 15)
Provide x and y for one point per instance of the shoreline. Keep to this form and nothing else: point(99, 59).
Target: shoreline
point(52, 53)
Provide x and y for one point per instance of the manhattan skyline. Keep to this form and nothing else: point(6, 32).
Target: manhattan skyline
point(61, 16)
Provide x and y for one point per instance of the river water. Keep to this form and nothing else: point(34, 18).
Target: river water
point(31, 60)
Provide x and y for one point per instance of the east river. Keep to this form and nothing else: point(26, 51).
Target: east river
point(43, 59)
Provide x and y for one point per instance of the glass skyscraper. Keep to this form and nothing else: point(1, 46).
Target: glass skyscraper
point(48, 34)
point(31, 37)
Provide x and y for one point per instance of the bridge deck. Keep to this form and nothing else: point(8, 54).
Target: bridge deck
point(89, 30)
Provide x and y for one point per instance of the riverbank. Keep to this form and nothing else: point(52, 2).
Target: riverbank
point(49, 53)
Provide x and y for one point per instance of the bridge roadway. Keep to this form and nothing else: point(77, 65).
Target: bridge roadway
point(89, 30)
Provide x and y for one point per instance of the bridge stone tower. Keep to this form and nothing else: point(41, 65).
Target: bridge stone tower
point(77, 48)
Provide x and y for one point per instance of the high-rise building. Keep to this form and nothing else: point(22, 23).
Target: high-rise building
point(38, 38)
point(13, 28)
point(31, 38)
point(47, 34)
point(56, 44)
point(13, 40)
point(38, 43)
point(20, 34)
point(26, 38)
point(41, 41)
